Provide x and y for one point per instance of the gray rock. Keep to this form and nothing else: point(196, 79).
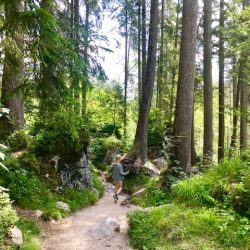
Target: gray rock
point(151, 169)
point(16, 236)
point(138, 193)
point(96, 192)
point(63, 206)
point(75, 173)
point(161, 163)
point(110, 156)
point(38, 214)
point(105, 228)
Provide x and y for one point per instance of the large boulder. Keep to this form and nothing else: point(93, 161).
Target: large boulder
point(75, 172)
point(16, 236)
point(150, 169)
point(105, 228)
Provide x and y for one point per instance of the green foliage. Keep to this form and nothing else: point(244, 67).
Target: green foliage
point(227, 183)
point(63, 133)
point(28, 161)
point(18, 140)
point(156, 129)
point(30, 191)
point(177, 227)
point(153, 195)
point(7, 215)
point(30, 232)
point(135, 182)
point(100, 147)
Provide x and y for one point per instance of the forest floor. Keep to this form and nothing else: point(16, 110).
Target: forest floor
point(72, 233)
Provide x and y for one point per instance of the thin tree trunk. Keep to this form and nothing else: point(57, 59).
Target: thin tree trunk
point(85, 81)
point(235, 111)
point(126, 71)
point(173, 84)
point(138, 153)
point(13, 71)
point(139, 54)
point(221, 85)
point(208, 84)
point(77, 51)
point(244, 96)
point(185, 88)
point(144, 41)
point(161, 56)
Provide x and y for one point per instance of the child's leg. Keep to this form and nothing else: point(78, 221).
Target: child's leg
point(119, 187)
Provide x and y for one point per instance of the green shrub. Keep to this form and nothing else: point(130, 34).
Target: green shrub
point(30, 232)
point(135, 182)
point(28, 161)
point(62, 134)
point(18, 140)
point(100, 147)
point(227, 183)
point(153, 195)
point(176, 226)
point(7, 215)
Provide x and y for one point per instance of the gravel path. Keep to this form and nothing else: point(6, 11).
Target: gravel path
point(71, 233)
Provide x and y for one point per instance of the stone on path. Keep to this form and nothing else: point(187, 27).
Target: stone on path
point(63, 206)
point(16, 236)
point(105, 228)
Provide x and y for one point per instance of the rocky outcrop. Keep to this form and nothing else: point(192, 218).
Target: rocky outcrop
point(74, 171)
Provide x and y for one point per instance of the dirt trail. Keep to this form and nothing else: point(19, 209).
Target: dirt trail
point(71, 233)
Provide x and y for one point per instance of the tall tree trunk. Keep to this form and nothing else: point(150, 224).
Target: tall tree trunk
point(76, 79)
point(160, 64)
point(244, 96)
point(221, 85)
point(208, 84)
point(13, 71)
point(185, 88)
point(144, 41)
point(139, 54)
point(138, 153)
point(126, 71)
point(173, 84)
point(85, 81)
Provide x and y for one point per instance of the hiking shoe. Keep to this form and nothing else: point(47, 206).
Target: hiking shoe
point(115, 198)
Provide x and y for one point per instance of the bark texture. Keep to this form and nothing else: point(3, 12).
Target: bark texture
point(13, 71)
point(208, 84)
point(185, 88)
point(221, 85)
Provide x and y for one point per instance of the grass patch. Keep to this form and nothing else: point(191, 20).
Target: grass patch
point(175, 226)
point(153, 195)
point(207, 212)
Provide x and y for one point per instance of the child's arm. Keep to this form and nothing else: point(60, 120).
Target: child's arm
point(121, 171)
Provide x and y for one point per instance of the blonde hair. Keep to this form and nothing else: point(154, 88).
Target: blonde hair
point(118, 158)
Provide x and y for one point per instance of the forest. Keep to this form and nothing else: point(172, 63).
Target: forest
point(164, 85)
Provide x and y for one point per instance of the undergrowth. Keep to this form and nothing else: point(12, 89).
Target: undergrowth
point(209, 211)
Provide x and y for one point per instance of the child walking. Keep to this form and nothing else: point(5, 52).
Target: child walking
point(118, 176)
